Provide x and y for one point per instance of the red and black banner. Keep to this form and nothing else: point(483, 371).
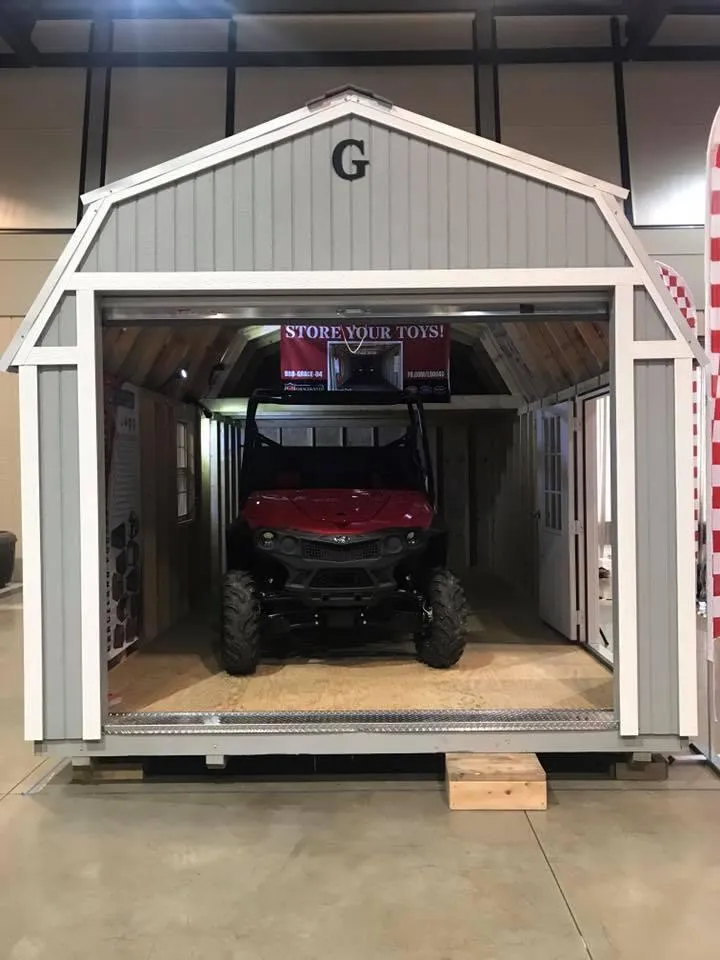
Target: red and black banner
point(367, 356)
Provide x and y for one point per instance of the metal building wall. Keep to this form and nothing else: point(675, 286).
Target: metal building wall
point(419, 206)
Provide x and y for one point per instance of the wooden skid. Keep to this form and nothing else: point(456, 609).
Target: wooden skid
point(108, 771)
point(504, 781)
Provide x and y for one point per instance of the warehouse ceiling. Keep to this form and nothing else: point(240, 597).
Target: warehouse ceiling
point(58, 32)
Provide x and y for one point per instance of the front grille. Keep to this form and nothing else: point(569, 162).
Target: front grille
point(340, 579)
point(340, 552)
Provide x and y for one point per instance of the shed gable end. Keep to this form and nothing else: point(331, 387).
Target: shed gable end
point(414, 205)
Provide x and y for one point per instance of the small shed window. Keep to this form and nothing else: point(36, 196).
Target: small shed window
point(185, 471)
point(552, 437)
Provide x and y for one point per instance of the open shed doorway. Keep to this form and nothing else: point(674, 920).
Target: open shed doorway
point(509, 466)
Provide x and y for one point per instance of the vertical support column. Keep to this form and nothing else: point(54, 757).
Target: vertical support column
point(485, 76)
point(685, 532)
point(97, 110)
point(32, 552)
point(624, 506)
point(92, 530)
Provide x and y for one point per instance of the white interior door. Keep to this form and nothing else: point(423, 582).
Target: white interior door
point(557, 529)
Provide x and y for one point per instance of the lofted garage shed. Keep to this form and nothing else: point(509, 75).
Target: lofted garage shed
point(177, 281)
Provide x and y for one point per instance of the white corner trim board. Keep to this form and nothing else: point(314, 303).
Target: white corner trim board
point(659, 350)
point(625, 563)
point(51, 357)
point(334, 281)
point(92, 553)
point(685, 533)
point(32, 553)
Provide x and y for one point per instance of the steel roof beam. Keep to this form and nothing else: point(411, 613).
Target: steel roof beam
point(16, 27)
point(645, 18)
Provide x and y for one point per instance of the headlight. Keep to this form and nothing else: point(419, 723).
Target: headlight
point(411, 537)
point(288, 545)
point(267, 538)
point(393, 545)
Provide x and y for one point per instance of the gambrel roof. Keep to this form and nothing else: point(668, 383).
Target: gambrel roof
point(435, 197)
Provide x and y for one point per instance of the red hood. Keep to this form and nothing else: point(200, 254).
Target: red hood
point(328, 511)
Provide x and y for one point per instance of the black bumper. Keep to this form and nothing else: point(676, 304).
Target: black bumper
point(337, 571)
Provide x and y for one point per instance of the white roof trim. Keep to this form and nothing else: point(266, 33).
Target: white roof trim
point(630, 242)
point(53, 288)
point(346, 105)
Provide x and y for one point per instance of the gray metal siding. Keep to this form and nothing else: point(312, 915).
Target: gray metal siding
point(420, 206)
point(656, 547)
point(60, 545)
point(61, 330)
point(649, 325)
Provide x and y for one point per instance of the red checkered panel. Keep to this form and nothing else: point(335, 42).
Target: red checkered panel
point(712, 345)
point(684, 300)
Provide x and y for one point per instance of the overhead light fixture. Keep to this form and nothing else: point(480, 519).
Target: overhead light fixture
point(474, 313)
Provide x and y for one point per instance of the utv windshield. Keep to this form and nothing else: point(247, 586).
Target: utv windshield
point(398, 465)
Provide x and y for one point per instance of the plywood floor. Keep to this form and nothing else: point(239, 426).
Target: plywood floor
point(511, 662)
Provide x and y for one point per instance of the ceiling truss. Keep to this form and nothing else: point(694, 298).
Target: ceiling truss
point(641, 19)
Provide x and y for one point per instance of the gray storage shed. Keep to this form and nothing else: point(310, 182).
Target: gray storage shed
point(351, 200)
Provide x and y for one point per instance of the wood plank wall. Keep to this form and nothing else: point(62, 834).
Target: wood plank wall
point(485, 470)
point(168, 546)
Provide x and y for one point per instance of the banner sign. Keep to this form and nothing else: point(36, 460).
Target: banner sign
point(122, 537)
point(367, 356)
point(712, 346)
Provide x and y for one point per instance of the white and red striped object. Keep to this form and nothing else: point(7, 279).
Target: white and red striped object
point(680, 292)
point(712, 346)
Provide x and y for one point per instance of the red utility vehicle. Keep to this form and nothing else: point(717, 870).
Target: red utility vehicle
point(339, 537)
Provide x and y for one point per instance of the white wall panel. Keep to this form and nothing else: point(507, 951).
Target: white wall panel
point(169, 36)
point(159, 113)
point(564, 113)
point(683, 249)
point(443, 93)
point(25, 262)
point(537, 32)
point(355, 32)
point(670, 107)
point(61, 36)
point(41, 117)
point(694, 31)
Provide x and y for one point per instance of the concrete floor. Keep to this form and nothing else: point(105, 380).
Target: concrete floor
point(232, 871)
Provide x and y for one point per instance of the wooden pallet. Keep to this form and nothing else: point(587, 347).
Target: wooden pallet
point(495, 781)
point(93, 770)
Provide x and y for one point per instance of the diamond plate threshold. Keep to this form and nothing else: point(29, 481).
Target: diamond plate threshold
point(417, 721)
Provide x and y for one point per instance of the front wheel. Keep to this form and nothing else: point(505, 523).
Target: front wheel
point(240, 624)
point(441, 641)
